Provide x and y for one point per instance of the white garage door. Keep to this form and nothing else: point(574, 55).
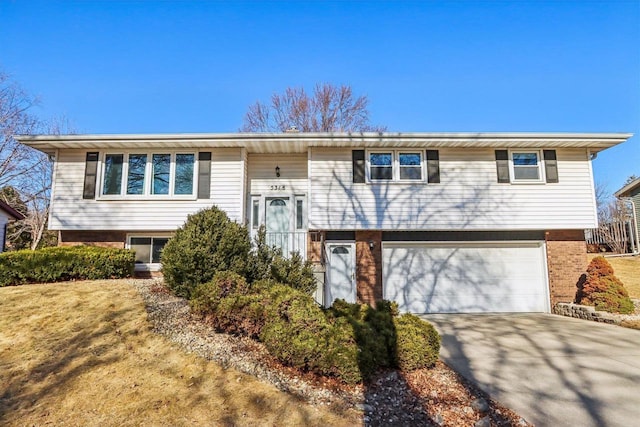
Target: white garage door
point(466, 277)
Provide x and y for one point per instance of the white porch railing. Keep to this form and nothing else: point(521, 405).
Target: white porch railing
point(288, 242)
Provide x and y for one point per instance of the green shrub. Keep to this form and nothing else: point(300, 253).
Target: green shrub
point(268, 263)
point(206, 296)
point(374, 349)
point(295, 329)
point(65, 263)
point(208, 242)
point(295, 272)
point(418, 343)
point(602, 289)
point(240, 314)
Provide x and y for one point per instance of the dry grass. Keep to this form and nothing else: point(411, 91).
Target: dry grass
point(627, 269)
point(83, 354)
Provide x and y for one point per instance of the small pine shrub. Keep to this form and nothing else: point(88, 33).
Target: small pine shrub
point(208, 242)
point(418, 343)
point(206, 296)
point(295, 328)
point(239, 314)
point(58, 264)
point(602, 289)
point(268, 263)
point(295, 272)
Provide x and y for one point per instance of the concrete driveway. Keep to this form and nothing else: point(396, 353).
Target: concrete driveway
point(552, 370)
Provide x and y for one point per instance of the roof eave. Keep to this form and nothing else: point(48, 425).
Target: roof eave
point(626, 190)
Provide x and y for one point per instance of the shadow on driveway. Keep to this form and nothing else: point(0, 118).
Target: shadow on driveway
point(552, 370)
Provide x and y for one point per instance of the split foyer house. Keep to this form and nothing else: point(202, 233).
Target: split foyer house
point(439, 222)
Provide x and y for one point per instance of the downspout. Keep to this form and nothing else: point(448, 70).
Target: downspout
point(4, 237)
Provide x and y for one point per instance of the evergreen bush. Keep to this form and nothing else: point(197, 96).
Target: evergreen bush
point(207, 243)
point(417, 343)
point(602, 289)
point(58, 264)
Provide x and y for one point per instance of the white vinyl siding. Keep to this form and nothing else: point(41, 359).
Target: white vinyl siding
point(467, 198)
point(262, 174)
point(70, 212)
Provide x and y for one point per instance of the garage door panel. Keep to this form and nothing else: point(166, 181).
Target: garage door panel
point(472, 278)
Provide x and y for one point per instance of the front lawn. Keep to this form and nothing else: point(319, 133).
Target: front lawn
point(83, 354)
point(627, 269)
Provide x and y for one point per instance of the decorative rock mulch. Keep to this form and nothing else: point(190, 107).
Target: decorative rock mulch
point(426, 397)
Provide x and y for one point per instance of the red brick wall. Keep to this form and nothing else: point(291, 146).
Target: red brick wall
point(566, 261)
point(108, 239)
point(369, 266)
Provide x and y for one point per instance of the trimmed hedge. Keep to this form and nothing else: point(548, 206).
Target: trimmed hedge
point(347, 341)
point(59, 264)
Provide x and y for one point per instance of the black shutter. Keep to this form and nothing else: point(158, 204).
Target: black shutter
point(358, 166)
point(204, 175)
point(502, 165)
point(90, 174)
point(433, 166)
point(551, 166)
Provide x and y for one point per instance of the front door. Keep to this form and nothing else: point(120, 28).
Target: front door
point(341, 272)
point(277, 222)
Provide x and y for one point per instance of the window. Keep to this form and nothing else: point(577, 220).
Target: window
point(149, 174)
point(526, 166)
point(399, 166)
point(112, 183)
point(410, 165)
point(135, 177)
point(381, 166)
point(147, 249)
point(299, 213)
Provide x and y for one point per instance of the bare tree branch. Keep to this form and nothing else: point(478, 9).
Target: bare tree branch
point(330, 109)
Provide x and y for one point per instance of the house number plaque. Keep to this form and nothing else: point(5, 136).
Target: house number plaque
point(277, 188)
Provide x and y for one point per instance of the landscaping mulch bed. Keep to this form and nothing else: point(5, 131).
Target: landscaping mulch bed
point(429, 397)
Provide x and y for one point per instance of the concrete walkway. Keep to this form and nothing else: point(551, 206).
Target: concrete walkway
point(552, 370)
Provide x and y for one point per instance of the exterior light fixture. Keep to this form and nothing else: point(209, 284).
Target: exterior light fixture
point(278, 171)
point(371, 244)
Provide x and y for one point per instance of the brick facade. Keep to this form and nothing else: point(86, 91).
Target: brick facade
point(566, 262)
point(369, 266)
point(107, 239)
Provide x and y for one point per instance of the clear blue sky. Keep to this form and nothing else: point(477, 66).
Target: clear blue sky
point(503, 66)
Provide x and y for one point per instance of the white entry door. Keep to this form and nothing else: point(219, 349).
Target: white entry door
point(341, 273)
point(277, 222)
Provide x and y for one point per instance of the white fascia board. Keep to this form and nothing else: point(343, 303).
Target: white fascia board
point(300, 142)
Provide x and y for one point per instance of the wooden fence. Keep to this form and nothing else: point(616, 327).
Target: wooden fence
point(618, 237)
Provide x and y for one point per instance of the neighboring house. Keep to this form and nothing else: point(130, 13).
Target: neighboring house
point(7, 214)
point(439, 222)
point(631, 191)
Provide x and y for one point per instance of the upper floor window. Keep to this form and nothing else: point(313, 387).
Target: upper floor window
point(396, 166)
point(140, 174)
point(526, 166)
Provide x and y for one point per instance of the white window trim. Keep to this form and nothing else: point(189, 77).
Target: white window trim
point(395, 166)
point(153, 266)
point(541, 169)
point(148, 174)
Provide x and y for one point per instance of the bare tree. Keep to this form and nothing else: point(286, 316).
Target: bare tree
point(330, 109)
point(14, 119)
point(26, 172)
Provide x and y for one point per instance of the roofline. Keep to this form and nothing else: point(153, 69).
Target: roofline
point(11, 211)
point(324, 135)
point(627, 188)
point(300, 141)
